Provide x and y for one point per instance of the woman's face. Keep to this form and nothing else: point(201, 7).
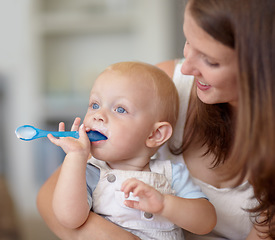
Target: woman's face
point(213, 64)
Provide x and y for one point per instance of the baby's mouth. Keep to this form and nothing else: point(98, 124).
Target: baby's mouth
point(103, 132)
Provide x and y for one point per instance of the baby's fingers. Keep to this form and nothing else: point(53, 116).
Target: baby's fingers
point(126, 185)
point(83, 134)
point(132, 204)
point(131, 185)
point(76, 124)
point(61, 127)
point(53, 139)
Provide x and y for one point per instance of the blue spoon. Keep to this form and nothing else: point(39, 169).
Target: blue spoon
point(28, 132)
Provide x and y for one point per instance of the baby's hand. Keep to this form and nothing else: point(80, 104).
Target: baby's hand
point(150, 200)
point(69, 144)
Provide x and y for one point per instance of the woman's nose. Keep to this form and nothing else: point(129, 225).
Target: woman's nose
point(189, 64)
point(188, 68)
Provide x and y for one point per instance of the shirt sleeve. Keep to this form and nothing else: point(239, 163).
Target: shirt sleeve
point(183, 184)
point(92, 178)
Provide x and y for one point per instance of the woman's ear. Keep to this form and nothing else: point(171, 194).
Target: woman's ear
point(162, 131)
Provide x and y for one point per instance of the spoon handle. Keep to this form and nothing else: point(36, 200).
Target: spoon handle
point(92, 135)
point(44, 133)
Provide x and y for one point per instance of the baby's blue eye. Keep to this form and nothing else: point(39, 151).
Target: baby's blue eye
point(121, 110)
point(95, 106)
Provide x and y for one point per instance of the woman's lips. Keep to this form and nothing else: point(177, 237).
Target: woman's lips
point(202, 86)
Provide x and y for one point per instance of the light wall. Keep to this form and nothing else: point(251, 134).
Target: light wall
point(22, 71)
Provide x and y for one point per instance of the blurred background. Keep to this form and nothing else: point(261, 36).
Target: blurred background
point(50, 53)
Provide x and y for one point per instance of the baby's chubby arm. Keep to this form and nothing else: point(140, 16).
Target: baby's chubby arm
point(70, 195)
point(195, 215)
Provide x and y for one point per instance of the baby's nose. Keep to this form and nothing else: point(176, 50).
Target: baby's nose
point(100, 116)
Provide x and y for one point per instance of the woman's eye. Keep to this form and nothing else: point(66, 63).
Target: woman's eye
point(212, 64)
point(95, 106)
point(121, 110)
point(209, 62)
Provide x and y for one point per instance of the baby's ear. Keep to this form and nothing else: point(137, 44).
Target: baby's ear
point(161, 132)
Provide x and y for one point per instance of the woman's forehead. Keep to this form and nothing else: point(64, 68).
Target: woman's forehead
point(204, 43)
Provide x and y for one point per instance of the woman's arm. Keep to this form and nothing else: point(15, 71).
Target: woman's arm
point(95, 227)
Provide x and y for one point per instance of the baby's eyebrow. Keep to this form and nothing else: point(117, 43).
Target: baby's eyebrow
point(93, 95)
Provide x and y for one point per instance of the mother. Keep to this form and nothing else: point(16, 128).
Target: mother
point(226, 131)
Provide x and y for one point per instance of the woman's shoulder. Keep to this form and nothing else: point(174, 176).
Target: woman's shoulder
point(168, 67)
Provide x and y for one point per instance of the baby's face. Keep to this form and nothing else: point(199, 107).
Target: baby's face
point(122, 109)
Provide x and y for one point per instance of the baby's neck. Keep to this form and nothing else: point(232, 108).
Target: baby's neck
point(129, 167)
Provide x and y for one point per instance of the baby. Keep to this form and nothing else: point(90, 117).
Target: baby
point(135, 105)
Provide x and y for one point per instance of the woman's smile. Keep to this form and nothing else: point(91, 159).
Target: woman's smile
point(202, 86)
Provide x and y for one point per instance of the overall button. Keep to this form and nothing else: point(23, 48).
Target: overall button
point(148, 215)
point(111, 178)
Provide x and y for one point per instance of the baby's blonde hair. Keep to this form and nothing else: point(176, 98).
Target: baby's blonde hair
point(163, 88)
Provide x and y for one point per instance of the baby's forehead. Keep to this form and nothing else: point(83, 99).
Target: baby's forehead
point(137, 78)
point(123, 82)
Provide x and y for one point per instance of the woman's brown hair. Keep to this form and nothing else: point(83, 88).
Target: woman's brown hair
point(211, 123)
point(255, 46)
point(248, 26)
